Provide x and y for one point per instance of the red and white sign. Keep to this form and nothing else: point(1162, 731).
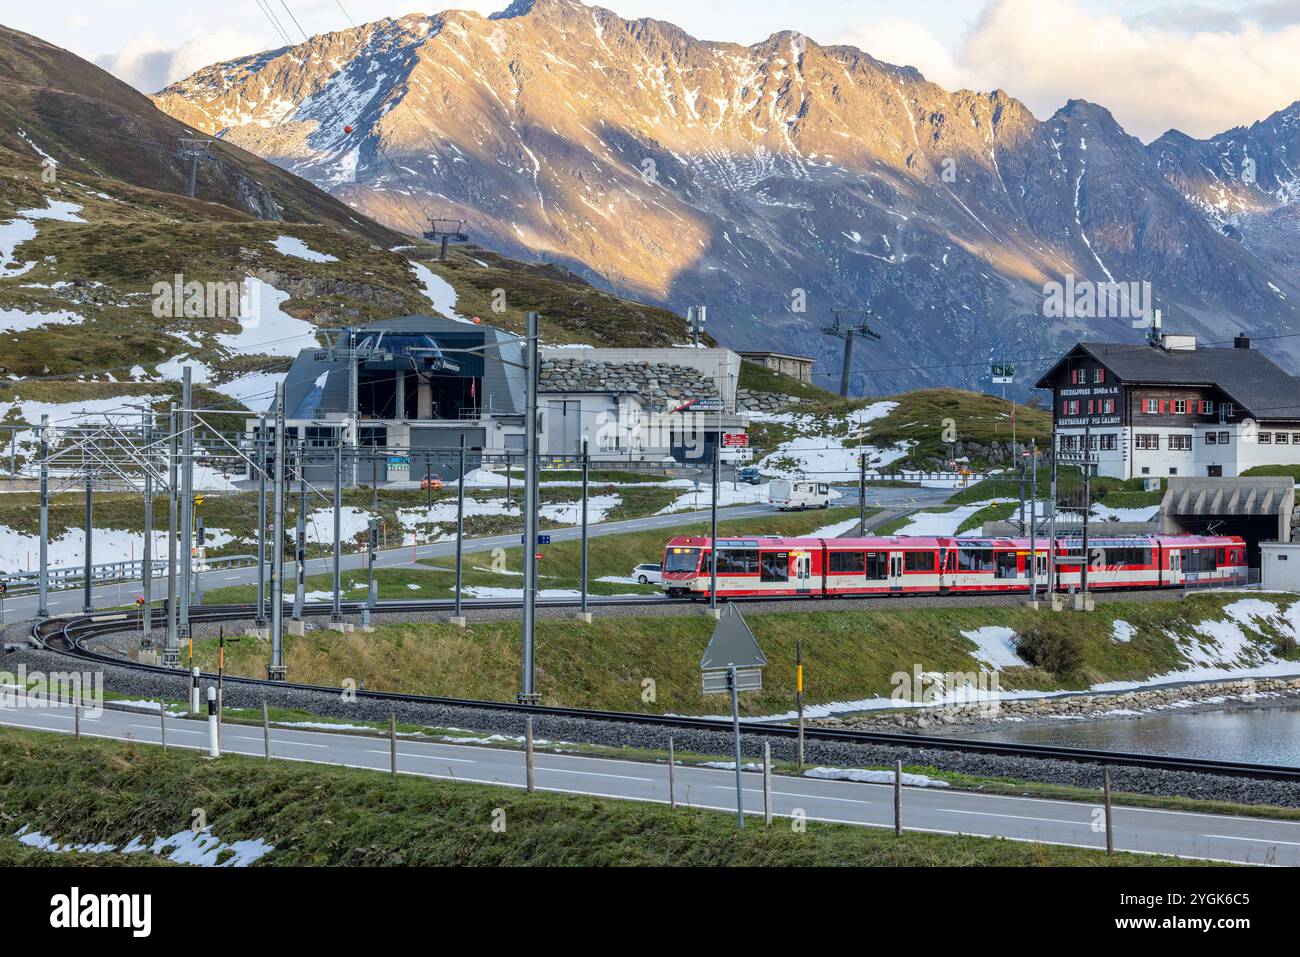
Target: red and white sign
point(735, 440)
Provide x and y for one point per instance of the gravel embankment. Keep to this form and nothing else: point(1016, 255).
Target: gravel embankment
point(620, 734)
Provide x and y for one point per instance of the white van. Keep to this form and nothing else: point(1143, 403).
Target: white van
point(791, 495)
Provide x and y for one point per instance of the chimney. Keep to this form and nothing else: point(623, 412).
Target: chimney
point(1242, 341)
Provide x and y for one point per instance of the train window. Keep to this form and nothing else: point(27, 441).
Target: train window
point(877, 566)
point(974, 560)
point(846, 563)
point(737, 561)
point(1005, 565)
point(918, 561)
point(776, 566)
point(682, 560)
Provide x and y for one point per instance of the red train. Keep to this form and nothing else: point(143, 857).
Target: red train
point(819, 567)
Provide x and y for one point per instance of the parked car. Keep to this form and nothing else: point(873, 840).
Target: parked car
point(431, 483)
point(648, 574)
point(750, 475)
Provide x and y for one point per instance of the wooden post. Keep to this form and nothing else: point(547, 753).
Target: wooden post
point(392, 739)
point(1110, 834)
point(76, 721)
point(162, 722)
point(767, 783)
point(528, 751)
point(798, 669)
point(672, 791)
point(898, 797)
point(266, 729)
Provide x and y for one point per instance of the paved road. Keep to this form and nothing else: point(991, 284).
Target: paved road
point(1250, 840)
point(21, 608)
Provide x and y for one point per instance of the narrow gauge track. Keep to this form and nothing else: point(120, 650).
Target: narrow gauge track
point(65, 635)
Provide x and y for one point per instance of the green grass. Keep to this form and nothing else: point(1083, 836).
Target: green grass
point(1290, 471)
point(330, 816)
point(923, 418)
point(849, 654)
point(759, 378)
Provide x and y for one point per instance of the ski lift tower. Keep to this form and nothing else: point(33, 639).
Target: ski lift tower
point(445, 231)
point(846, 332)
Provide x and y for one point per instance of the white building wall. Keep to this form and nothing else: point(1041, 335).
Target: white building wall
point(1280, 565)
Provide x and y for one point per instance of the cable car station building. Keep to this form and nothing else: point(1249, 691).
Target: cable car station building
point(416, 387)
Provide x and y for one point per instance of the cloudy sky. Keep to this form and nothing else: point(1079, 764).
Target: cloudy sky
point(1201, 66)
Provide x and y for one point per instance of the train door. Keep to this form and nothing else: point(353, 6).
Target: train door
point(803, 573)
point(1175, 567)
point(1040, 568)
point(895, 571)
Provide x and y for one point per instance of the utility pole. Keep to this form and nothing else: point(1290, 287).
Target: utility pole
point(261, 524)
point(187, 501)
point(528, 690)
point(88, 603)
point(1033, 523)
point(1051, 527)
point(371, 553)
point(171, 643)
point(43, 579)
point(457, 615)
point(713, 537)
point(300, 539)
point(336, 612)
point(146, 556)
point(862, 493)
point(276, 670)
point(696, 317)
point(200, 547)
point(195, 148)
point(847, 333)
point(586, 479)
point(1087, 507)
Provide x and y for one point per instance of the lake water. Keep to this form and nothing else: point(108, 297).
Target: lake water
point(1260, 735)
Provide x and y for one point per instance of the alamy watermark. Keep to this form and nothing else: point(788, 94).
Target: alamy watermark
point(1084, 299)
point(53, 689)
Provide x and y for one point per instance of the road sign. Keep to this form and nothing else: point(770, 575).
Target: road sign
point(719, 682)
point(541, 539)
point(733, 662)
point(735, 440)
point(733, 645)
point(4, 587)
point(1003, 373)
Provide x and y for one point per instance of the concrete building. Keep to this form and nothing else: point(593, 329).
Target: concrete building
point(1280, 566)
point(796, 367)
point(418, 385)
point(1169, 408)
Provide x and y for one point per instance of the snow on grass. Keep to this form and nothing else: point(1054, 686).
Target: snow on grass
point(816, 452)
point(703, 497)
point(256, 390)
point(570, 513)
point(201, 848)
point(13, 234)
point(835, 530)
point(995, 647)
point(20, 551)
point(864, 776)
point(293, 246)
point(16, 320)
point(263, 328)
point(940, 523)
point(1107, 514)
point(55, 209)
point(1121, 631)
point(438, 291)
point(320, 525)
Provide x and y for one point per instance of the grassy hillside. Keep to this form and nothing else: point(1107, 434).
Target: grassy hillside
point(849, 655)
point(922, 418)
point(83, 791)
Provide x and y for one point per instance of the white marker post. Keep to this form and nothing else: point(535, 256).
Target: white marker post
point(194, 691)
point(214, 748)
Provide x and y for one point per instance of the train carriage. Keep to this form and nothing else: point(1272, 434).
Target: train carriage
point(815, 567)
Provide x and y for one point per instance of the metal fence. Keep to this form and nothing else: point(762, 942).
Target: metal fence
point(65, 578)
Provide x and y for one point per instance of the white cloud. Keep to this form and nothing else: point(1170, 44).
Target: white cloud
point(149, 64)
point(1150, 76)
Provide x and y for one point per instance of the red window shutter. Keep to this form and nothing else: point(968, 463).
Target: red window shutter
point(1101, 375)
point(1164, 406)
point(1090, 406)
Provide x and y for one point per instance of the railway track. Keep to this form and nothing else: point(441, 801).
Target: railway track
point(65, 636)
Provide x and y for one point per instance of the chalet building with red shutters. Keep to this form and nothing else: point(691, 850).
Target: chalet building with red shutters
point(1169, 408)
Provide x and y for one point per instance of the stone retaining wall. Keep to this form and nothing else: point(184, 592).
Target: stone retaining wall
point(1077, 706)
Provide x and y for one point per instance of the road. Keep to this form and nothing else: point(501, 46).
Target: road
point(1207, 836)
point(22, 608)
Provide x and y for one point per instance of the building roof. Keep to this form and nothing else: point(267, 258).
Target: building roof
point(1247, 376)
point(317, 383)
point(776, 355)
